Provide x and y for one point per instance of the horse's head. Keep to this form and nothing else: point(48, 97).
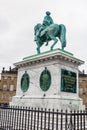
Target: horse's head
point(36, 28)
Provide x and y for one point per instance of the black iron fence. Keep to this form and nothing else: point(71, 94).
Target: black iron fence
point(26, 118)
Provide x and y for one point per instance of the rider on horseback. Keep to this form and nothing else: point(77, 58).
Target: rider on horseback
point(48, 31)
point(47, 19)
point(46, 22)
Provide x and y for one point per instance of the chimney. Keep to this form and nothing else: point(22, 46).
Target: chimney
point(3, 70)
point(10, 68)
point(83, 72)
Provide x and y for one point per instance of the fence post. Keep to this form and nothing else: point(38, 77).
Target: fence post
point(66, 123)
point(61, 119)
point(49, 119)
point(57, 120)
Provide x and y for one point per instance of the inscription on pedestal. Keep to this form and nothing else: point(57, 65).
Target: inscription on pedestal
point(68, 81)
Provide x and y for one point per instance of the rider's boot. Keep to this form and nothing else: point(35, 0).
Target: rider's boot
point(46, 44)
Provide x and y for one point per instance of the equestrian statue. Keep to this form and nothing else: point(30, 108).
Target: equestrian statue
point(48, 31)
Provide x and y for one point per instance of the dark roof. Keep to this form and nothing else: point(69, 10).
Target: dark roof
point(10, 71)
point(82, 74)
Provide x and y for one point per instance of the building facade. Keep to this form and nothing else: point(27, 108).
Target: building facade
point(83, 87)
point(8, 85)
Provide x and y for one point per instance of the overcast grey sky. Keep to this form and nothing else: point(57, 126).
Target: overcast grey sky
point(17, 21)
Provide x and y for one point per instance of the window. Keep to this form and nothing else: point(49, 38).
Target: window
point(10, 98)
point(11, 87)
point(80, 91)
point(3, 97)
point(86, 91)
point(80, 81)
point(5, 77)
point(4, 87)
point(12, 78)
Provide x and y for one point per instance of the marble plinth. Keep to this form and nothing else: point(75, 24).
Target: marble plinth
point(54, 97)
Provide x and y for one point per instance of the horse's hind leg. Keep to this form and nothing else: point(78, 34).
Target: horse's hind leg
point(55, 41)
point(38, 50)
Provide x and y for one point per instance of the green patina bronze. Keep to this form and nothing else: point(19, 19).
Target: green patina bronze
point(68, 81)
point(25, 82)
point(45, 80)
point(48, 31)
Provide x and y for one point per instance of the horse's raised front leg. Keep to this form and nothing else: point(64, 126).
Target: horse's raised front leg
point(55, 41)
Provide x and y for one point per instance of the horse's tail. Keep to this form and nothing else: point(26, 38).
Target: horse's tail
point(62, 35)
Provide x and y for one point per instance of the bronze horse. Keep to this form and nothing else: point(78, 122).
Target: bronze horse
point(50, 33)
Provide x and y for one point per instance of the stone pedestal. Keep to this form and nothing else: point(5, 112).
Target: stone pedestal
point(52, 81)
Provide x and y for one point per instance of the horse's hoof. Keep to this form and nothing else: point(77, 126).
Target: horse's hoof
point(38, 51)
point(51, 49)
point(62, 48)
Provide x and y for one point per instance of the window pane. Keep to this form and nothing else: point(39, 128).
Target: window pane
point(5, 77)
point(3, 97)
point(11, 87)
point(80, 90)
point(4, 86)
point(10, 98)
point(12, 78)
